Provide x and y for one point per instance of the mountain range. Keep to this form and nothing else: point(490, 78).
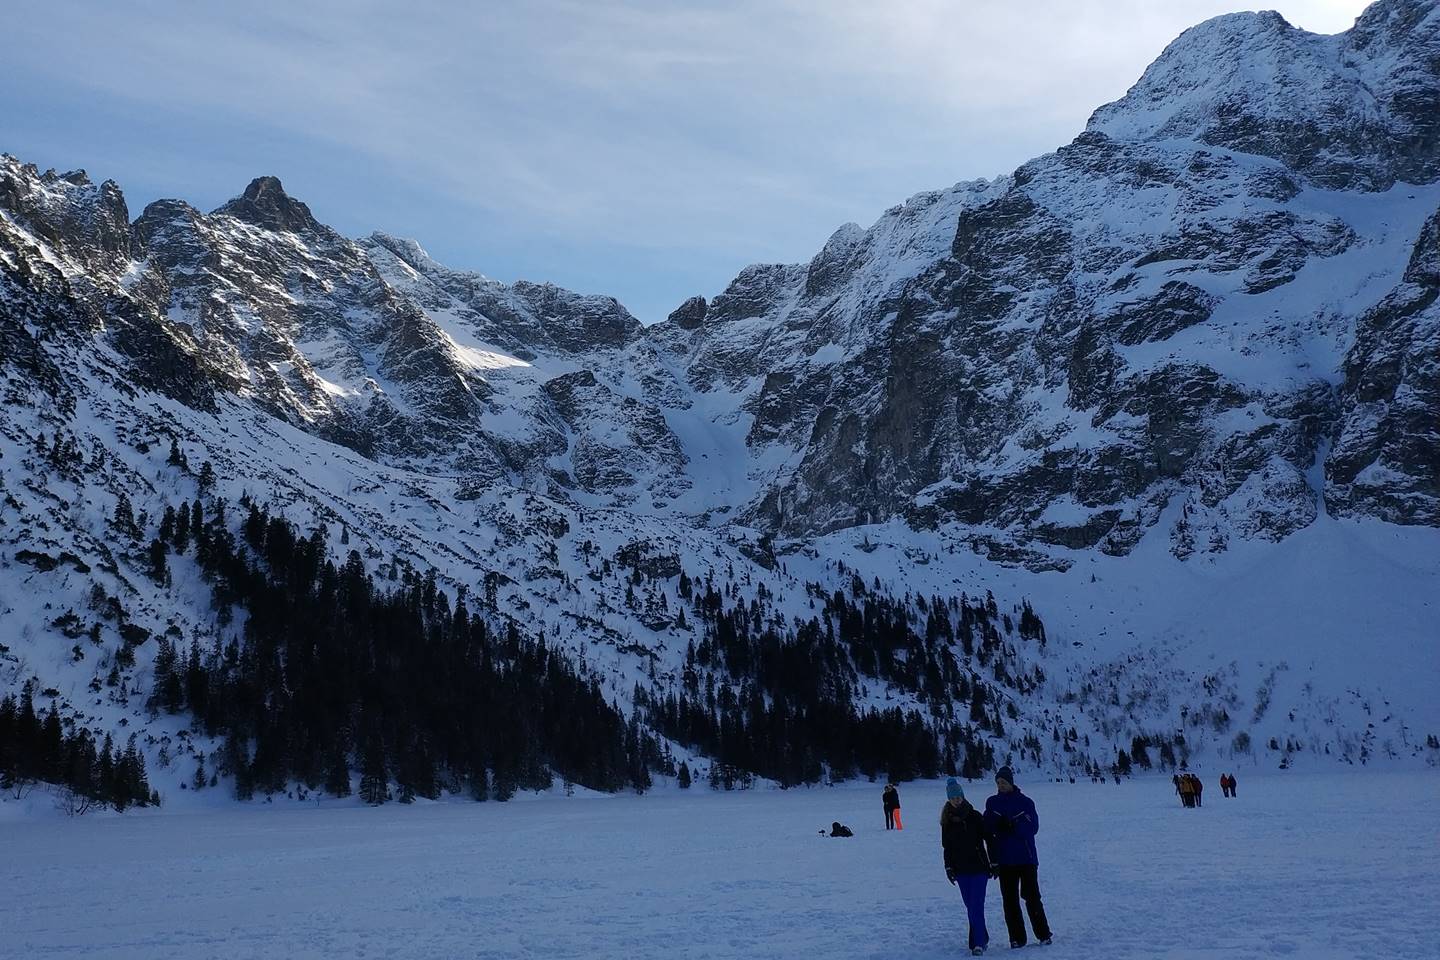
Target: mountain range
point(1174, 388)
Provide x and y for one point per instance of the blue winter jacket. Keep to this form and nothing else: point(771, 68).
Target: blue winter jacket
point(1014, 847)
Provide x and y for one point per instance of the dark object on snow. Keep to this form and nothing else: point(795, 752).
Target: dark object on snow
point(838, 829)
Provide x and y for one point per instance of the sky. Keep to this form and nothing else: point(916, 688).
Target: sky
point(644, 149)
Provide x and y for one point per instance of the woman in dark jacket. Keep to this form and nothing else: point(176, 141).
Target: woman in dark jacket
point(967, 858)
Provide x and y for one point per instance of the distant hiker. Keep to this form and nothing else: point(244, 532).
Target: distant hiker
point(1199, 788)
point(1186, 788)
point(838, 829)
point(1011, 819)
point(967, 859)
point(891, 799)
point(1224, 784)
point(1232, 784)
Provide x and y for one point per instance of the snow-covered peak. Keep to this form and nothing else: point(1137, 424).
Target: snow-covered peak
point(408, 250)
point(77, 218)
point(1359, 109)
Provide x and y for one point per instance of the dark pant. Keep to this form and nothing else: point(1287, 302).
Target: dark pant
point(972, 891)
point(1197, 801)
point(1017, 882)
point(889, 818)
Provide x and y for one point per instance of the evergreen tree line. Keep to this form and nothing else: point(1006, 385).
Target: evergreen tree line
point(333, 674)
point(785, 704)
point(35, 749)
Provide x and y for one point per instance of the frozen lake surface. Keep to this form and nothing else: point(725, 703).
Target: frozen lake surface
point(1310, 865)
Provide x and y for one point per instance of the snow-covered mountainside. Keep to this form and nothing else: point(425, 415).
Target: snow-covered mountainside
point(1138, 445)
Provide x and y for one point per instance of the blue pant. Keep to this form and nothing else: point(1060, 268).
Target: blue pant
point(972, 891)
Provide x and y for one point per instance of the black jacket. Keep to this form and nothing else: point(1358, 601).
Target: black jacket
point(963, 836)
point(891, 797)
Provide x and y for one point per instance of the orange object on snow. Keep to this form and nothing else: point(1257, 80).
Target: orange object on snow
point(897, 819)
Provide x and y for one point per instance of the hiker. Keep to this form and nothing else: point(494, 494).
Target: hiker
point(1199, 788)
point(1224, 784)
point(1012, 822)
point(838, 829)
point(1187, 791)
point(891, 799)
point(967, 859)
point(1232, 784)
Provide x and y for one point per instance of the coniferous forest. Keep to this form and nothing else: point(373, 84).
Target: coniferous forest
point(35, 749)
point(784, 706)
point(335, 673)
point(331, 678)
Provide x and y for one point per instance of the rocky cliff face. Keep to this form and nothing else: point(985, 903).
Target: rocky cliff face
point(1164, 320)
point(1212, 312)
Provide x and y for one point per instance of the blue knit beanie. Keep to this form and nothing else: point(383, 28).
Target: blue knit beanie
point(953, 790)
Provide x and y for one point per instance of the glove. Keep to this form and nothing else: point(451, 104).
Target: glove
point(994, 870)
point(949, 874)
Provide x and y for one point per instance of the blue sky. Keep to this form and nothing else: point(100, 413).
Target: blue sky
point(642, 149)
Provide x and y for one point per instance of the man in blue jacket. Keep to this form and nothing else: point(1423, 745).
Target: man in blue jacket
point(1010, 818)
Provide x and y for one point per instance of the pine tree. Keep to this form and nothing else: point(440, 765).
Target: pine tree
point(337, 776)
point(159, 567)
point(373, 788)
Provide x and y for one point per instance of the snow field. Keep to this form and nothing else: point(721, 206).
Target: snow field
point(1315, 865)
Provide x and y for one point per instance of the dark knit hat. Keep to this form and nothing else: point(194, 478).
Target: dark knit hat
point(1006, 774)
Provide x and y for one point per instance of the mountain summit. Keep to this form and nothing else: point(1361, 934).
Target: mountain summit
point(266, 204)
point(1357, 110)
